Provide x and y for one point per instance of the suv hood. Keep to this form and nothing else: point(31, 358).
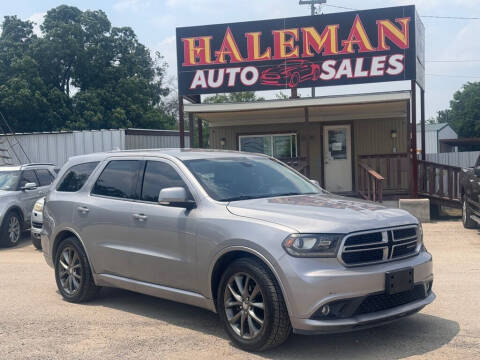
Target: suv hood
point(321, 213)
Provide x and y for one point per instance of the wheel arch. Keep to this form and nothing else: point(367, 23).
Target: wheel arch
point(16, 209)
point(227, 256)
point(62, 235)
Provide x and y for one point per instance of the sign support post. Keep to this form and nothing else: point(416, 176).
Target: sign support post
point(414, 140)
point(181, 121)
point(422, 105)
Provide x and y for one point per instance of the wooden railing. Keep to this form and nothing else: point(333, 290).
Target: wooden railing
point(395, 168)
point(439, 182)
point(370, 183)
point(299, 163)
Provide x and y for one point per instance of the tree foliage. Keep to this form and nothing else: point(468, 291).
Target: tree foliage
point(464, 112)
point(81, 73)
point(244, 96)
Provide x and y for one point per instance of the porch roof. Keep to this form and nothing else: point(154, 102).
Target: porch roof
point(328, 108)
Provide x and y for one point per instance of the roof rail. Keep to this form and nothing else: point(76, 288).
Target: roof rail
point(36, 164)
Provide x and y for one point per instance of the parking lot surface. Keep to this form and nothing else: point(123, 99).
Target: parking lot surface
point(35, 323)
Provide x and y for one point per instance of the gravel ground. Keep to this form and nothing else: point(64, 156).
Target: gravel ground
point(35, 323)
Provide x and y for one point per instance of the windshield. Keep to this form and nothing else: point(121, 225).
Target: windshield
point(9, 180)
point(230, 179)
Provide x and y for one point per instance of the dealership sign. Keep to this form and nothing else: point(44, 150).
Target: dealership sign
point(334, 49)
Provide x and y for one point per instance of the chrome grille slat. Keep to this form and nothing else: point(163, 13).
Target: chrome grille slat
point(388, 249)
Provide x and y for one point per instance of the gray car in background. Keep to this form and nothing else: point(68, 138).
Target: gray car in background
point(236, 233)
point(20, 187)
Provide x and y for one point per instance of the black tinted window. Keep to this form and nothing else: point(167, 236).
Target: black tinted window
point(44, 177)
point(76, 177)
point(119, 179)
point(28, 176)
point(159, 175)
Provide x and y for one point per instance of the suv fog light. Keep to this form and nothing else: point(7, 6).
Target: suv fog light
point(325, 310)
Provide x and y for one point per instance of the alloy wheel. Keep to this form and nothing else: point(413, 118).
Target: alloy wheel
point(14, 230)
point(70, 270)
point(244, 306)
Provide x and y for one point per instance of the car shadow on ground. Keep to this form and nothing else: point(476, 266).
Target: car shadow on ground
point(22, 243)
point(415, 335)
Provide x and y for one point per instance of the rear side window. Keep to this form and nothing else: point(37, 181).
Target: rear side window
point(119, 179)
point(28, 176)
point(159, 175)
point(44, 177)
point(76, 177)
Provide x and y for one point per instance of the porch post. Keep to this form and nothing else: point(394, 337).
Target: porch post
point(307, 121)
point(181, 121)
point(422, 104)
point(191, 130)
point(413, 149)
point(200, 132)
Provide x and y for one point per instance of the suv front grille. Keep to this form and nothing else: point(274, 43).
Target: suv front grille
point(380, 245)
point(379, 302)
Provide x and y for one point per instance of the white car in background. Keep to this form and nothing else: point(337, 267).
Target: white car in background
point(37, 223)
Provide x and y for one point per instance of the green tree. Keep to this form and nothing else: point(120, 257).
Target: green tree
point(464, 113)
point(244, 96)
point(82, 73)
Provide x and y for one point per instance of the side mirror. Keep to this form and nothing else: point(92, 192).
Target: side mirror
point(315, 182)
point(29, 186)
point(175, 197)
point(477, 171)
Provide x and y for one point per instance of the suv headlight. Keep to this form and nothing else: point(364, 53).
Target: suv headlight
point(312, 245)
point(38, 206)
point(420, 237)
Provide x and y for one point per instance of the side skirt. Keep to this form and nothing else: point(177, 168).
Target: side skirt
point(164, 292)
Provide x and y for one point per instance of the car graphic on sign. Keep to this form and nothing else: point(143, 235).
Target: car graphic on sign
point(291, 73)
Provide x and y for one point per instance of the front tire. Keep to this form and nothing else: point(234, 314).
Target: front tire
point(251, 306)
point(468, 223)
point(11, 230)
point(37, 243)
point(72, 272)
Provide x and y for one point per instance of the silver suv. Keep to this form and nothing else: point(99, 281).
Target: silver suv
point(20, 187)
point(236, 233)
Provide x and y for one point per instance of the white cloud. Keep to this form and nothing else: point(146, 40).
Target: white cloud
point(131, 5)
point(37, 20)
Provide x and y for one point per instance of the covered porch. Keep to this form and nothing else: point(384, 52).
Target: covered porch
point(351, 144)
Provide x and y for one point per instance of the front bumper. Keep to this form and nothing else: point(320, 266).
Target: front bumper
point(311, 283)
point(36, 225)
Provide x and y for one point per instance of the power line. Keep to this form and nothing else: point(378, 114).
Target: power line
point(450, 17)
point(422, 16)
point(453, 61)
point(455, 76)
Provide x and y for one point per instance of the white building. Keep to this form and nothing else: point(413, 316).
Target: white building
point(433, 134)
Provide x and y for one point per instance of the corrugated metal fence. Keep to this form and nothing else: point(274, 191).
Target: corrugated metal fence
point(461, 159)
point(58, 147)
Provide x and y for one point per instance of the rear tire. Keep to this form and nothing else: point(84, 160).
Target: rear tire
point(468, 223)
point(72, 272)
point(11, 230)
point(260, 306)
point(37, 243)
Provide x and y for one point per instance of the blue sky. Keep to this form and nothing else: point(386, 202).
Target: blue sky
point(154, 22)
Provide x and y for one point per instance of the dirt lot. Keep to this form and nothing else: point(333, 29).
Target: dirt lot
point(35, 323)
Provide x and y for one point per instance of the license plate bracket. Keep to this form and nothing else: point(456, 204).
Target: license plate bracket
point(398, 281)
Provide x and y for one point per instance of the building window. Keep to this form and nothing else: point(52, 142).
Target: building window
point(281, 146)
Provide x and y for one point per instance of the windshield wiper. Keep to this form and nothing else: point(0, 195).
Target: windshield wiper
point(244, 197)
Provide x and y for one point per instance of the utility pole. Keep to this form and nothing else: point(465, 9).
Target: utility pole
point(312, 4)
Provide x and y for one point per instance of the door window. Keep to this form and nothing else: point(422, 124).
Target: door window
point(119, 179)
point(76, 177)
point(337, 144)
point(28, 176)
point(159, 175)
point(44, 177)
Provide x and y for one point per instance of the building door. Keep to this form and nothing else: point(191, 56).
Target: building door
point(337, 157)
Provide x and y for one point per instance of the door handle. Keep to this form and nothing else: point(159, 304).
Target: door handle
point(83, 210)
point(140, 217)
